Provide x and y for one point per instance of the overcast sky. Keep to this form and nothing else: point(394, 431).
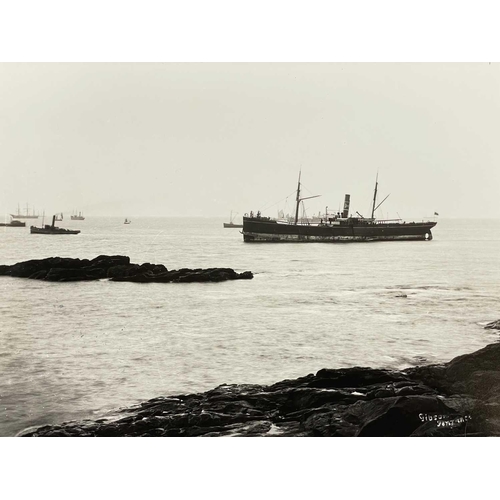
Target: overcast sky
point(202, 139)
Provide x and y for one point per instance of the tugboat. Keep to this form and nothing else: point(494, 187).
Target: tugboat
point(334, 228)
point(52, 229)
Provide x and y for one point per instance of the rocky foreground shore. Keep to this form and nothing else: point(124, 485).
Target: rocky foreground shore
point(115, 268)
point(459, 398)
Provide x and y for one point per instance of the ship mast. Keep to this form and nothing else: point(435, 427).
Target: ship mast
point(298, 201)
point(375, 196)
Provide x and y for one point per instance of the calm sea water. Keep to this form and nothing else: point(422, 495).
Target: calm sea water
point(82, 349)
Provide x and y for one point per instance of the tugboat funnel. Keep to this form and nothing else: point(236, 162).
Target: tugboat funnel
point(347, 202)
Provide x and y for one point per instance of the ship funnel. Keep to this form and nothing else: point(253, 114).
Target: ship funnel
point(347, 202)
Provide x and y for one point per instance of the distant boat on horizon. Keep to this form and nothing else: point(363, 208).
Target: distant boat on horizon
point(26, 215)
point(127, 221)
point(13, 223)
point(78, 216)
point(231, 223)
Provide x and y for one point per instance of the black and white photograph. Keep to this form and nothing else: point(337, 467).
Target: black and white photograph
point(295, 247)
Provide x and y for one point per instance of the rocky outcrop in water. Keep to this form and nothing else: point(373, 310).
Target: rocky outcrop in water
point(494, 325)
point(115, 268)
point(459, 398)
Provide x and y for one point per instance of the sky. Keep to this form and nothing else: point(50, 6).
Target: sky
point(202, 139)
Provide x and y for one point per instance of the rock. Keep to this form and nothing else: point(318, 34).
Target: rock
point(147, 277)
point(123, 270)
point(39, 275)
point(29, 267)
point(354, 377)
point(116, 268)
point(62, 274)
point(95, 273)
point(397, 416)
point(5, 270)
point(245, 275)
point(194, 277)
point(107, 261)
point(494, 325)
point(162, 275)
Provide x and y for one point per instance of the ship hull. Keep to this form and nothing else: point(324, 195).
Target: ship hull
point(259, 230)
point(19, 216)
point(55, 230)
point(21, 224)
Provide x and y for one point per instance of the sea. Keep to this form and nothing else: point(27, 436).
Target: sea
point(85, 350)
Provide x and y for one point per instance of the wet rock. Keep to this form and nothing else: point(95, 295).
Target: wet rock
point(329, 423)
point(494, 325)
point(5, 270)
point(159, 275)
point(62, 274)
point(107, 261)
point(94, 273)
point(194, 277)
point(154, 268)
point(354, 377)
point(398, 416)
point(123, 270)
point(245, 275)
point(116, 268)
point(411, 390)
point(39, 275)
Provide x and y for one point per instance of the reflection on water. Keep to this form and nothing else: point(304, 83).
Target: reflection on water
point(75, 350)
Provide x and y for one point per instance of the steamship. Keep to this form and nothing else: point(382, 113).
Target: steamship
point(77, 216)
point(340, 227)
point(52, 229)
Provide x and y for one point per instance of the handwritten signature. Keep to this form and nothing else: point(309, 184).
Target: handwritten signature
point(444, 420)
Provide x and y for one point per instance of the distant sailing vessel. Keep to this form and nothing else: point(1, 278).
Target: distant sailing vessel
point(231, 219)
point(52, 229)
point(26, 215)
point(334, 228)
point(127, 221)
point(78, 216)
point(59, 217)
